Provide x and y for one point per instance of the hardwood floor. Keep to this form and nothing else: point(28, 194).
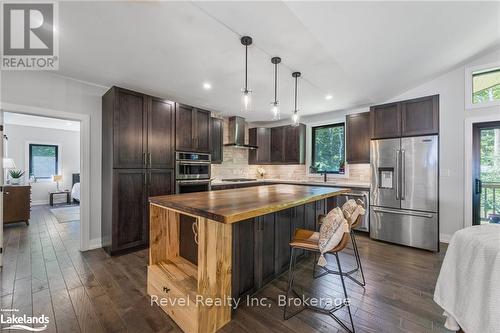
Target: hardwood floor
point(45, 273)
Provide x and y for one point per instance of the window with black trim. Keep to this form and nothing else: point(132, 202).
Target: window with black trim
point(43, 160)
point(328, 148)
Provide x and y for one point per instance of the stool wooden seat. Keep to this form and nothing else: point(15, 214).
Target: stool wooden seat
point(307, 240)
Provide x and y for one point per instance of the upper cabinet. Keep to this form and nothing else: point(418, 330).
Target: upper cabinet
point(141, 128)
point(192, 129)
point(358, 138)
point(278, 145)
point(217, 135)
point(260, 137)
point(161, 129)
point(129, 142)
point(419, 116)
point(385, 121)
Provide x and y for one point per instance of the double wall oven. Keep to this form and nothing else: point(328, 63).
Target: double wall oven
point(192, 172)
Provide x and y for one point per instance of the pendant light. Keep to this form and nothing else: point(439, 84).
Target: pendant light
point(246, 94)
point(275, 108)
point(295, 116)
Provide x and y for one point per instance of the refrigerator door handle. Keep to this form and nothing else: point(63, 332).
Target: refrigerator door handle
point(403, 175)
point(398, 169)
point(399, 212)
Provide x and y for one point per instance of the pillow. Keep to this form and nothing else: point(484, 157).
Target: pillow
point(352, 209)
point(330, 234)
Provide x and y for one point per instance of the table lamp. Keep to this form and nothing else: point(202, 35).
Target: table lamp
point(57, 179)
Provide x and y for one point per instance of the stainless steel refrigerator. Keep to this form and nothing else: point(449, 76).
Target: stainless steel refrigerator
point(404, 191)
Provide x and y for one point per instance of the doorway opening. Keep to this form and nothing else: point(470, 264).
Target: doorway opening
point(486, 173)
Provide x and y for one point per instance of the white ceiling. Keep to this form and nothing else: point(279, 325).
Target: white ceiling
point(359, 52)
point(42, 122)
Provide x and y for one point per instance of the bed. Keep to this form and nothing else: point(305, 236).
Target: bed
point(75, 190)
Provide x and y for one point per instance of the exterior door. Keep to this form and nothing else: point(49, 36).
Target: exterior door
point(419, 173)
point(385, 165)
point(486, 173)
point(161, 134)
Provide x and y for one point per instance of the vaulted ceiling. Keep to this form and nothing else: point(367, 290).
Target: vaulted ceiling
point(358, 52)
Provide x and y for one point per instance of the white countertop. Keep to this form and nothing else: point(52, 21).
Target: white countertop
point(333, 183)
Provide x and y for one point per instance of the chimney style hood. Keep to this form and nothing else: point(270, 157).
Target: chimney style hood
point(237, 133)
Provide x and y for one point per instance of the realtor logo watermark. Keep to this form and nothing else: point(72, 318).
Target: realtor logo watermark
point(29, 36)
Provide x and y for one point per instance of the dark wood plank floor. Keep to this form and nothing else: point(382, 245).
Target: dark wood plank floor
point(45, 273)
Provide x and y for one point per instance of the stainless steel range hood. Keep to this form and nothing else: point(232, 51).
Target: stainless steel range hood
point(237, 133)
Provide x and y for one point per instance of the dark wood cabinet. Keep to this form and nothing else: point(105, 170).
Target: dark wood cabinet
point(418, 116)
point(129, 228)
point(129, 129)
point(16, 203)
point(266, 239)
point(358, 138)
point(192, 129)
point(385, 121)
point(283, 231)
point(244, 280)
point(260, 137)
point(161, 129)
point(138, 147)
point(288, 144)
point(217, 137)
point(277, 144)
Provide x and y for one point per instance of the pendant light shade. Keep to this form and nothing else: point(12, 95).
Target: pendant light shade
point(246, 93)
point(295, 115)
point(275, 106)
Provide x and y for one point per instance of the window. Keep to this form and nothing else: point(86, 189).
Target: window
point(43, 160)
point(328, 148)
point(486, 86)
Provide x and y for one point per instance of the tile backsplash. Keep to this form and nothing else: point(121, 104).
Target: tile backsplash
point(235, 165)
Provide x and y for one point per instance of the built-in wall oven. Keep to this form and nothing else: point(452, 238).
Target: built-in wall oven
point(192, 172)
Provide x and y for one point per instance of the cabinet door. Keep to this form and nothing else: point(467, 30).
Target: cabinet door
point(277, 135)
point(129, 217)
point(297, 222)
point(267, 238)
point(243, 277)
point(202, 131)
point(217, 135)
point(260, 137)
point(294, 144)
point(16, 204)
point(420, 116)
point(385, 121)
point(282, 240)
point(160, 182)
point(161, 133)
point(129, 129)
point(358, 138)
point(184, 128)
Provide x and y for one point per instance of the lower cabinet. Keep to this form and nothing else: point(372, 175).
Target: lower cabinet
point(125, 220)
point(261, 246)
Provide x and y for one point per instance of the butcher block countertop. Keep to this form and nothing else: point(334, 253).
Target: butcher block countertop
point(230, 206)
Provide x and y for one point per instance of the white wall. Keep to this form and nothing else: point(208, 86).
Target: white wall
point(46, 90)
point(69, 155)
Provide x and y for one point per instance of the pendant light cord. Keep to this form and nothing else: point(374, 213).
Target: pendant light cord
point(296, 78)
point(275, 83)
point(246, 68)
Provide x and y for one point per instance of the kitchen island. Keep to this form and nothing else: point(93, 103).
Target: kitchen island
point(240, 240)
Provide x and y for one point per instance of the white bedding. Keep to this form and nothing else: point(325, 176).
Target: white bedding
point(468, 287)
point(75, 192)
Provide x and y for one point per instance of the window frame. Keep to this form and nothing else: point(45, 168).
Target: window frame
point(30, 158)
point(469, 74)
point(313, 145)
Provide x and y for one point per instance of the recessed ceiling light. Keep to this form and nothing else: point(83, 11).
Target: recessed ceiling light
point(207, 86)
point(328, 97)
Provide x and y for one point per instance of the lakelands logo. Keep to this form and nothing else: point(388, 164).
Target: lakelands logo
point(29, 38)
point(22, 322)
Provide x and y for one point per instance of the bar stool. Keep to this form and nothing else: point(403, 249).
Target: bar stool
point(307, 240)
point(359, 267)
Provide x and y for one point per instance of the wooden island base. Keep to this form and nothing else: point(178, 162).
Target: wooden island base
point(242, 237)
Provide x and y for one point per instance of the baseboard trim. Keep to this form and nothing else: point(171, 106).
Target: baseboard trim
point(444, 238)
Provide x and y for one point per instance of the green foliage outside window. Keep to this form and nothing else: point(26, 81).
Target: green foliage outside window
point(490, 171)
point(328, 151)
point(486, 86)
